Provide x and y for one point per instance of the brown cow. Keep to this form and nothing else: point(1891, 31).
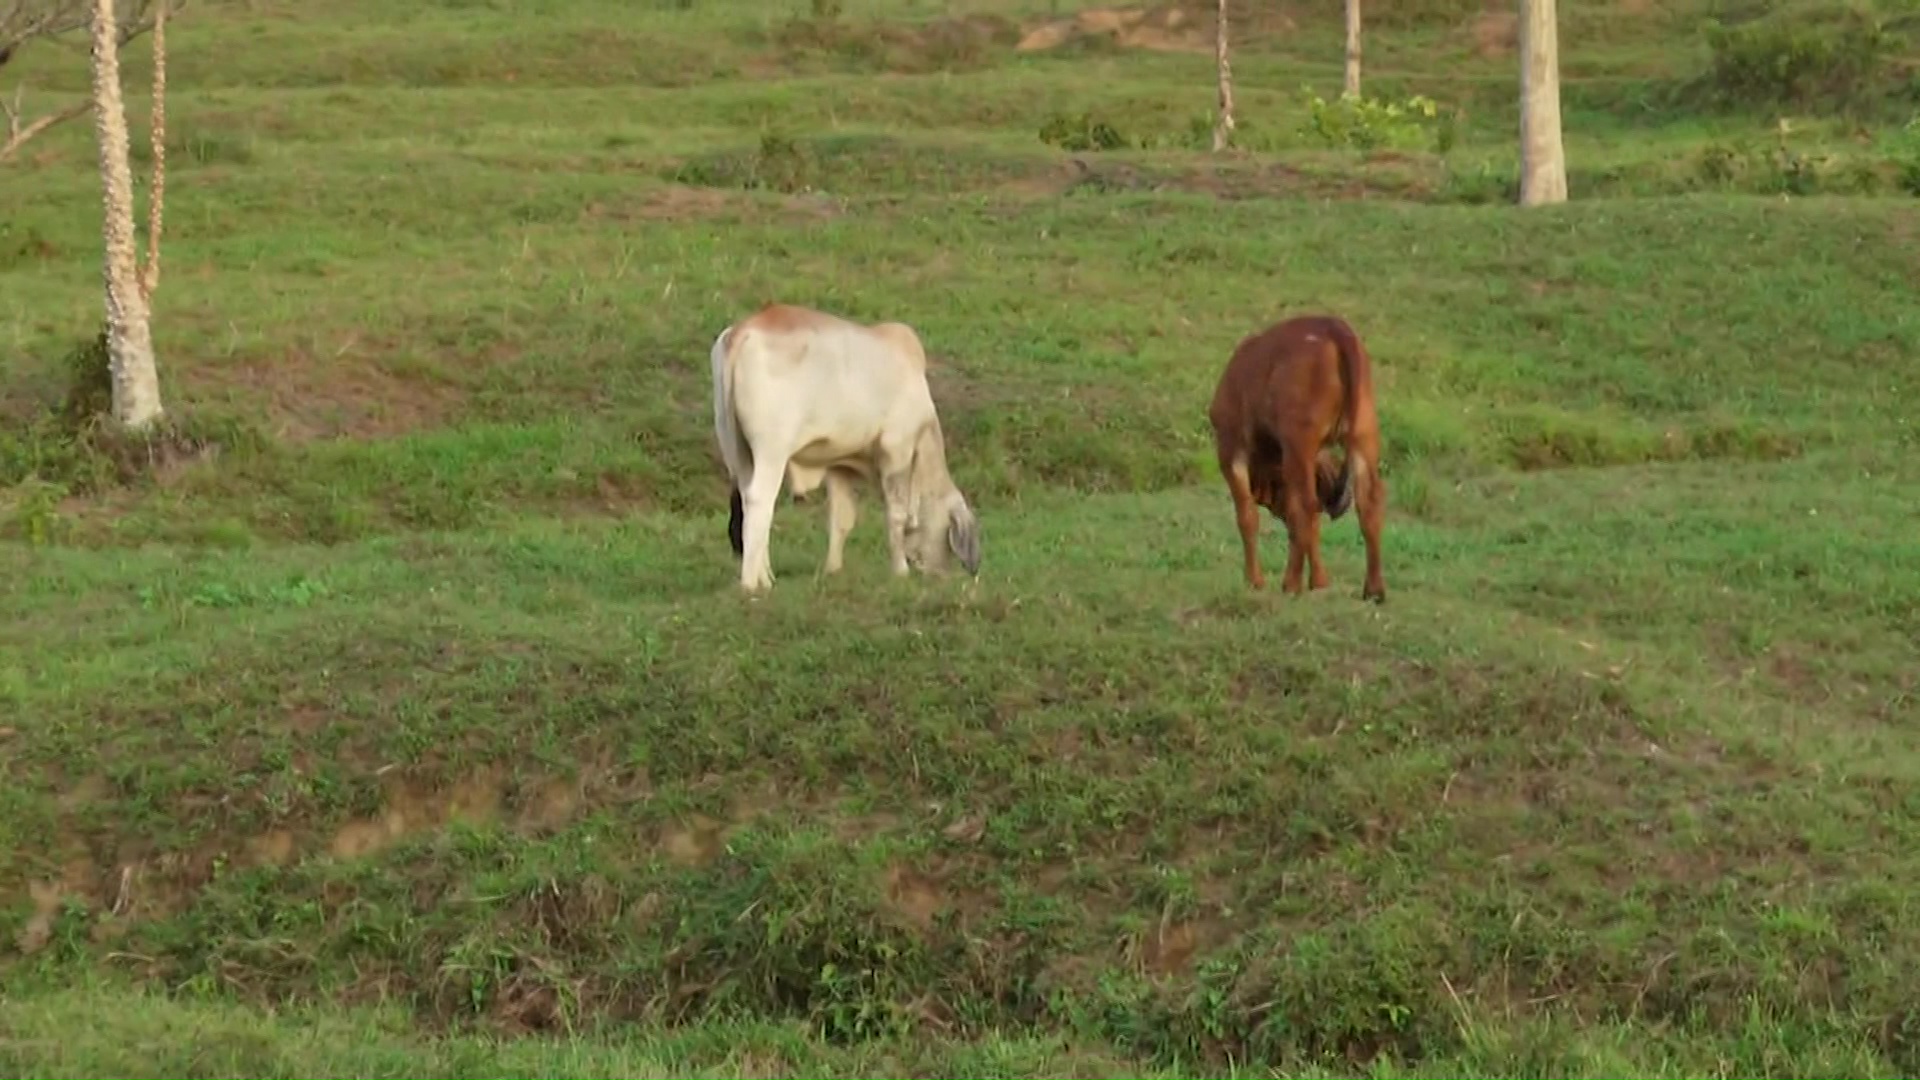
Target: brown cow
point(1287, 394)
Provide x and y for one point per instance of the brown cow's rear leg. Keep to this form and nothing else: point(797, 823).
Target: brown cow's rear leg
point(1373, 512)
point(1303, 522)
point(1316, 573)
point(1247, 513)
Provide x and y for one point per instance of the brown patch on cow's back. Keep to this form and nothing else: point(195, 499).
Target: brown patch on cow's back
point(777, 318)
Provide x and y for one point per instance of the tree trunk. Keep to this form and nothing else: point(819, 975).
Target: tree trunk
point(157, 138)
point(1223, 127)
point(1543, 160)
point(1353, 49)
point(136, 383)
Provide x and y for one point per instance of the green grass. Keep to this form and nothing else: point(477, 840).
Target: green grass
point(404, 718)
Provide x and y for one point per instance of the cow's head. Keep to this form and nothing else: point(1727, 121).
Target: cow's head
point(943, 525)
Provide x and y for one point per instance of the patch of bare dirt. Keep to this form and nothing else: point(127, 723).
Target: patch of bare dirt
point(1164, 28)
point(302, 395)
point(38, 930)
point(1170, 948)
point(953, 43)
point(1495, 33)
point(551, 805)
point(697, 841)
point(412, 810)
point(914, 895)
point(276, 847)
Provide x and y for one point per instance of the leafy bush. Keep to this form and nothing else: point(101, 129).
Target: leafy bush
point(1369, 123)
point(1779, 168)
point(780, 163)
point(1840, 62)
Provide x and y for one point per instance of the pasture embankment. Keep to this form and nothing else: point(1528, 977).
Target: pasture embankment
point(424, 713)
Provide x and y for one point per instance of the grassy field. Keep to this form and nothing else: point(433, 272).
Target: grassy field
point(413, 725)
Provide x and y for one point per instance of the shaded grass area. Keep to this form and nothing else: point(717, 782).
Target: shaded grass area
point(205, 1038)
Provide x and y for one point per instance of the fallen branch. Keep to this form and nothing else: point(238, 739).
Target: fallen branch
point(22, 21)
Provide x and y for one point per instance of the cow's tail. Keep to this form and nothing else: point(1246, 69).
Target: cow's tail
point(1356, 378)
point(734, 449)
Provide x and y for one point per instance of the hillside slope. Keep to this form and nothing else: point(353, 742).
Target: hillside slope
point(405, 717)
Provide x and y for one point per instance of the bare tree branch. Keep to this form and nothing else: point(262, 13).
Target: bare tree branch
point(22, 21)
point(18, 132)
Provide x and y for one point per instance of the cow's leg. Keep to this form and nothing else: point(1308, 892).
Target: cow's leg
point(756, 567)
point(1303, 519)
point(898, 489)
point(1233, 466)
point(1373, 512)
point(841, 511)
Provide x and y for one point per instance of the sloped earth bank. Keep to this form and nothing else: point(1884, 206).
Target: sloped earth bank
point(455, 775)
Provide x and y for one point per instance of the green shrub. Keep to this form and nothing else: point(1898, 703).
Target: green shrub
point(1082, 133)
point(779, 163)
point(1365, 123)
point(1842, 62)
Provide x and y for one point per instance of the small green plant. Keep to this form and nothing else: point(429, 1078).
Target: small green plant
point(1082, 133)
point(1753, 166)
point(782, 163)
point(1904, 153)
point(779, 163)
point(1364, 123)
point(34, 512)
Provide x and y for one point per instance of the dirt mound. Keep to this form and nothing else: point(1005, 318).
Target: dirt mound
point(1169, 29)
point(1495, 33)
point(1165, 28)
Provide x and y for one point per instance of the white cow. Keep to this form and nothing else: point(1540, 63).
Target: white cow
point(821, 399)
